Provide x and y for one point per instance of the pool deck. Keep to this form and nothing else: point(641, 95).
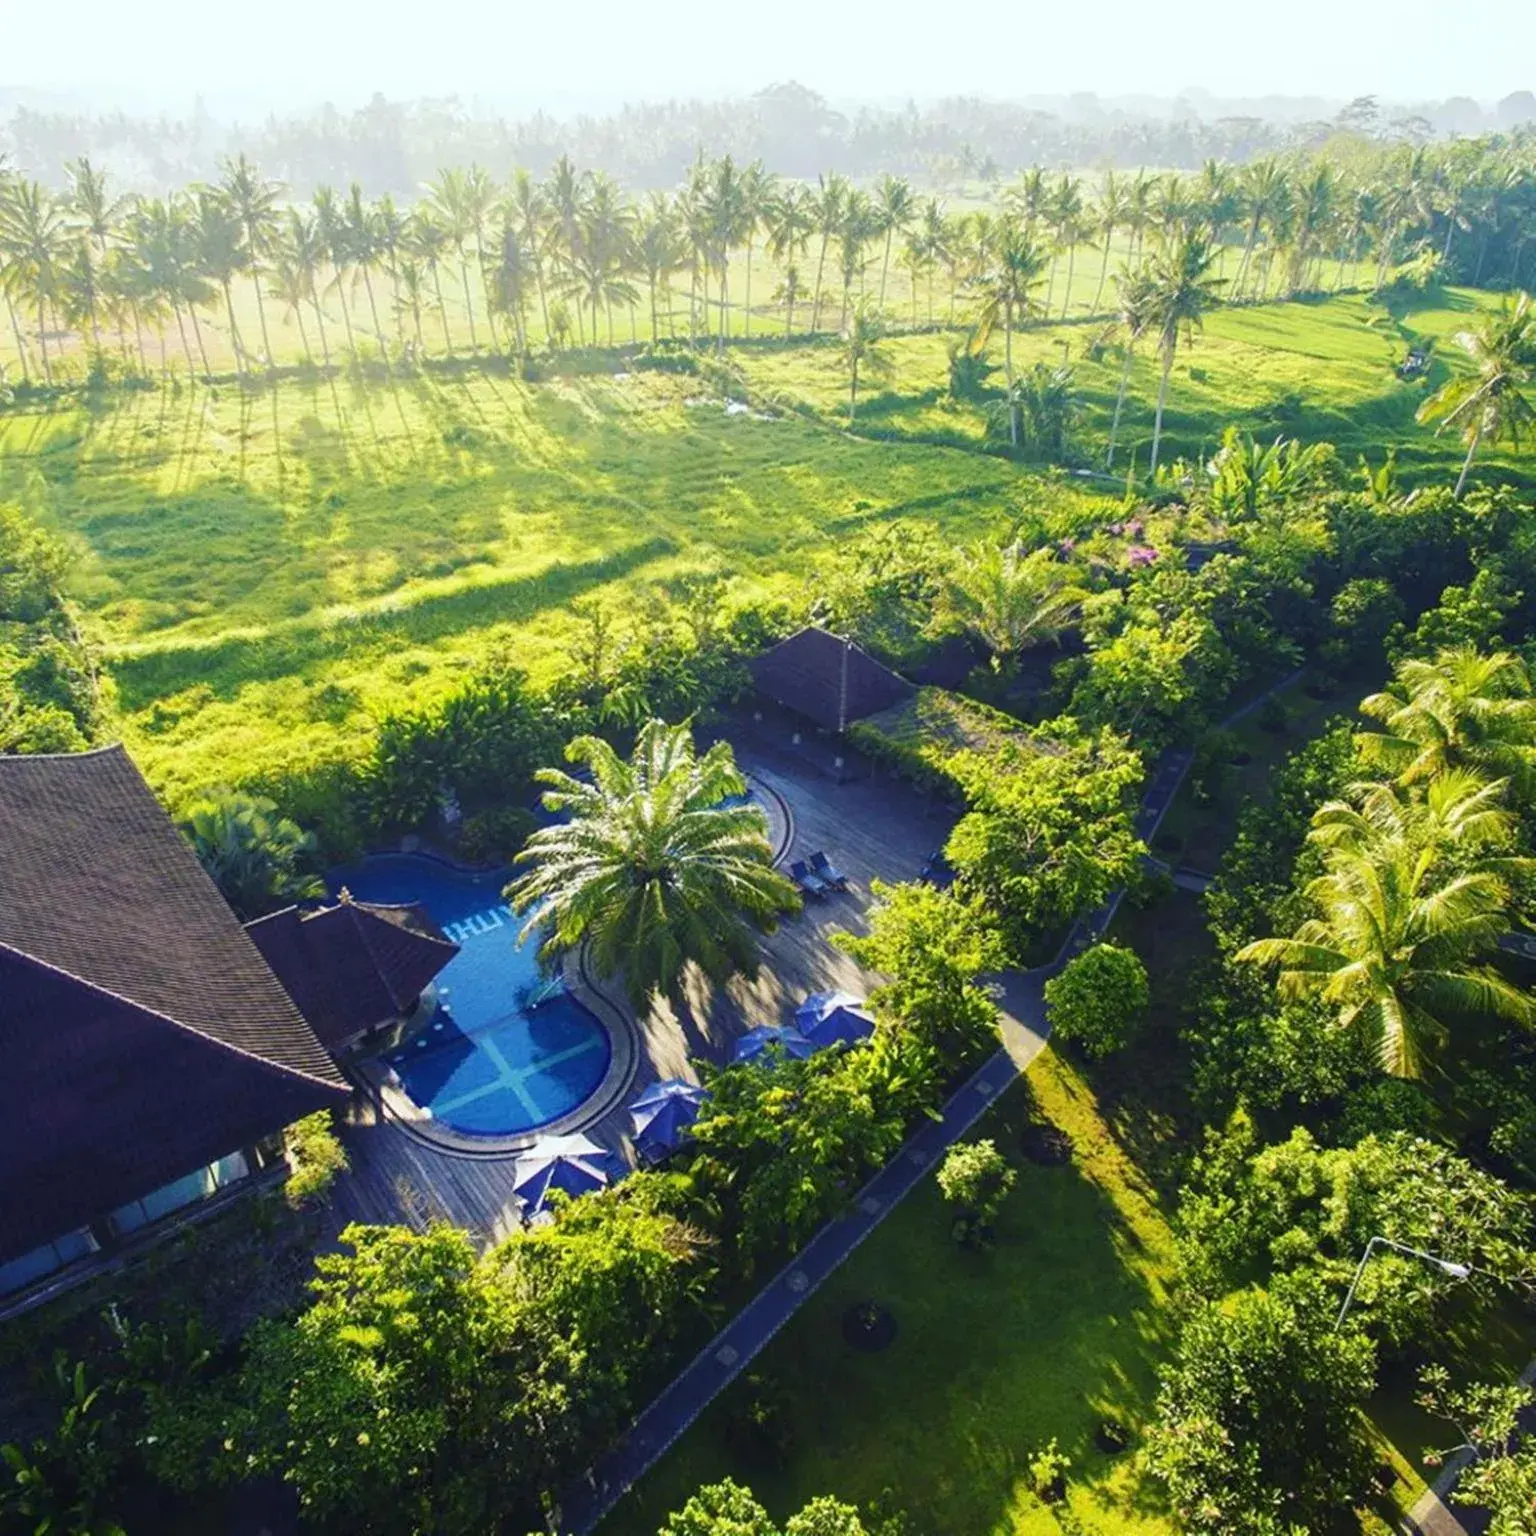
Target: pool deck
point(872, 827)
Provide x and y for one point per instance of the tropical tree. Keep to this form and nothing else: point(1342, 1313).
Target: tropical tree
point(1133, 292)
point(758, 195)
point(1011, 599)
point(253, 203)
point(452, 201)
point(862, 351)
point(1413, 891)
point(34, 242)
point(1181, 293)
point(895, 207)
point(827, 206)
point(1463, 708)
point(1108, 216)
point(1006, 286)
point(660, 249)
point(223, 255)
point(1491, 402)
point(254, 856)
point(655, 866)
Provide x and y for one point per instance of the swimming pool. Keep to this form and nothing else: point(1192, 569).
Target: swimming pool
point(507, 1051)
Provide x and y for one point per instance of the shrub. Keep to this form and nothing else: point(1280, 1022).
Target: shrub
point(1048, 1469)
point(495, 836)
point(1099, 999)
point(315, 1157)
point(976, 1177)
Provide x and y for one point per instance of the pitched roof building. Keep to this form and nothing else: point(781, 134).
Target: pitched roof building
point(352, 967)
point(829, 680)
point(147, 1042)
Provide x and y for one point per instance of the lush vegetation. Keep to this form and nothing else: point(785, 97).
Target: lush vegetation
point(367, 514)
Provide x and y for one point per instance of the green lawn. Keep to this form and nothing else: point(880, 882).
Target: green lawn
point(1061, 1323)
point(267, 571)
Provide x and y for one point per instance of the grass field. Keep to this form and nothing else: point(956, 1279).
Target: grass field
point(267, 571)
point(1060, 1324)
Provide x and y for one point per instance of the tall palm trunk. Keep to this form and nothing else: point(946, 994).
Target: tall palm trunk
point(373, 309)
point(1466, 463)
point(138, 336)
point(181, 325)
point(325, 342)
point(1066, 298)
point(346, 314)
point(1098, 293)
point(1050, 287)
point(1013, 399)
point(724, 301)
point(747, 318)
point(42, 341)
point(490, 309)
point(655, 324)
point(442, 310)
point(1114, 426)
point(202, 349)
point(261, 315)
point(1242, 266)
point(821, 261)
point(234, 331)
point(21, 350)
point(469, 306)
point(885, 264)
point(309, 357)
point(1162, 398)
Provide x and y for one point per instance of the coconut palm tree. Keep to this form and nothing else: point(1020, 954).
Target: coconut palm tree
point(527, 202)
point(1109, 215)
point(1133, 291)
point(10, 272)
point(360, 235)
point(97, 216)
point(862, 352)
point(426, 241)
point(854, 235)
point(303, 253)
point(1464, 708)
point(1006, 287)
point(1010, 599)
point(451, 201)
point(253, 201)
point(788, 292)
point(827, 208)
point(221, 255)
point(661, 249)
point(895, 208)
point(1491, 402)
point(759, 192)
point(1259, 187)
point(1410, 897)
point(728, 218)
point(1069, 227)
point(1181, 292)
point(656, 866)
point(34, 245)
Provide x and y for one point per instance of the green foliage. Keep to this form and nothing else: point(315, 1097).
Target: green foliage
point(495, 835)
point(1474, 615)
point(652, 867)
point(728, 1509)
point(1251, 1213)
point(924, 736)
point(315, 1157)
point(881, 587)
point(1363, 613)
point(1049, 834)
point(784, 1144)
point(255, 857)
point(1257, 1429)
point(1501, 1475)
point(1099, 999)
point(63, 1485)
point(932, 945)
point(1048, 1469)
point(976, 1177)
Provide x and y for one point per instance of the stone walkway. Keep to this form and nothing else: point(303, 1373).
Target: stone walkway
point(1024, 1029)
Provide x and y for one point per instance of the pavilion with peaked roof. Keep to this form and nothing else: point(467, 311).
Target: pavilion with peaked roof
point(151, 1056)
point(354, 968)
point(826, 679)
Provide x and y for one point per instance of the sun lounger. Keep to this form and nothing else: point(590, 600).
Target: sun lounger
point(828, 871)
point(811, 885)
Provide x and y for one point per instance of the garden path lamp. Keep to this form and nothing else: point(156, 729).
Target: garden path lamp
point(1445, 1266)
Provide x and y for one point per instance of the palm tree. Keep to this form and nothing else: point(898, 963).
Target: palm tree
point(253, 202)
point(1490, 403)
point(1133, 291)
point(660, 249)
point(1109, 215)
point(895, 208)
point(34, 240)
point(1069, 229)
point(1410, 896)
point(451, 201)
point(758, 195)
point(331, 231)
point(1181, 293)
point(790, 290)
point(97, 214)
point(1010, 600)
point(1006, 286)
point(853, 236)
point(727, 220)
point(657, 865)
point(1462, 709)
point(426, 240)
point(303, 252)
point(862, 351)
point(360, 233)
point(1259, 187)
point(527, 202)
point(827, 207)
point(222, 255)
point(10, 272)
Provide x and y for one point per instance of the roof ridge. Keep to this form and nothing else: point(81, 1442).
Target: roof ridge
point(190, 1029)
point(380, 928)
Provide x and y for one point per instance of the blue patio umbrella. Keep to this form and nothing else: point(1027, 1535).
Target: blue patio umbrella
point(769, 1037)
point(663, 1114)
point(575, 1164)
point(827, 1017)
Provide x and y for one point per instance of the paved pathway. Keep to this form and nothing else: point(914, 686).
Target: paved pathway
point(1024, 1029)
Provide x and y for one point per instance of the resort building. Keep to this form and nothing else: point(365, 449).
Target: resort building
point(152, 1057)
point(826, 680)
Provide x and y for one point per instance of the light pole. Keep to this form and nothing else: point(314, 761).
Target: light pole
point(1445, 1266)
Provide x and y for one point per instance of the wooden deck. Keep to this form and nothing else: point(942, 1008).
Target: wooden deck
point(871, 828)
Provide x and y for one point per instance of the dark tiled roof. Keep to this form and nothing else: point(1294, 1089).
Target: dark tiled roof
point(142, 1031)
point(104, 1101)
point(352, 966)
point(829, 680)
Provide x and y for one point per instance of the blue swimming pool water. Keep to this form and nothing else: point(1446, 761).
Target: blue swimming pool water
point(500, 1057)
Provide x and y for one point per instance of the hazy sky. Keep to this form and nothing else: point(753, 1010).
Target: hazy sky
point(594, 52)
